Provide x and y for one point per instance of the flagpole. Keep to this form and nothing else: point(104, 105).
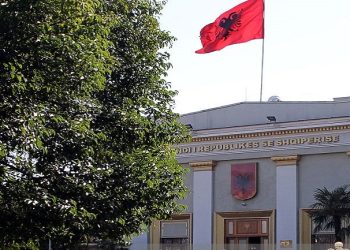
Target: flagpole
point(262, 69)
point(262, 55)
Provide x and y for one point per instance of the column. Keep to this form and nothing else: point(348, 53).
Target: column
point(203, 204)
point(286, 201)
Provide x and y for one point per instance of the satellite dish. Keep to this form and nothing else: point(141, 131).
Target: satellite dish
point(274, 98)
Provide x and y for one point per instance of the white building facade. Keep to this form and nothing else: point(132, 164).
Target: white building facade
point(253, 170)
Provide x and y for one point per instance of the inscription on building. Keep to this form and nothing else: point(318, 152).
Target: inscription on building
point(258, 144)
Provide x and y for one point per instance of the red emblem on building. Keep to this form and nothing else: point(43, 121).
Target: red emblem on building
point(243, 180)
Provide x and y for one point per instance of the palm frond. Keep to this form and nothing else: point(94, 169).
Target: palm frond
point(330, 208)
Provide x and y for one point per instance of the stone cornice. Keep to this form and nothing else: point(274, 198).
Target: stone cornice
point(203, 166)
point(286, 160)
point(271, 133)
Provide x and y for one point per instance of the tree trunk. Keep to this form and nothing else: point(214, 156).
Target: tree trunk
point(337, 228)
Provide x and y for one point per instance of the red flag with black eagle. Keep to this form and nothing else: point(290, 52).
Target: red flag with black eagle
point(240, 24)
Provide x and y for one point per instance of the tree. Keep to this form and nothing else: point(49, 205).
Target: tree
point(86, 121)
point(331, 209)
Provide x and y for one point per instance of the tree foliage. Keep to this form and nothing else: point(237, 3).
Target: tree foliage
point(86, 120)
point(331, 210)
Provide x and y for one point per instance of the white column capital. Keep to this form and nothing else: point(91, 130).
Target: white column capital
point(203, 166)
point(286, 160)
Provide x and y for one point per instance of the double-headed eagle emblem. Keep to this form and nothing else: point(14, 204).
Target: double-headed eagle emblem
point(229, 25)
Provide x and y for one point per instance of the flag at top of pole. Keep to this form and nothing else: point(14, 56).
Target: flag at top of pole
point(240, 24)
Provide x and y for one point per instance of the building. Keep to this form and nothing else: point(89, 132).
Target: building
point(253, 169)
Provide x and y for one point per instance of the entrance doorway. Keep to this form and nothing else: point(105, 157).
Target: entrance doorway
point(254, 243)
point(247, 243)
point(247, 234)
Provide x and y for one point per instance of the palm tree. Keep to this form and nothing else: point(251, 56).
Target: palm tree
point(330, 209)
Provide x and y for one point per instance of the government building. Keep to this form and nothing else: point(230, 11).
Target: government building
point(253, 170)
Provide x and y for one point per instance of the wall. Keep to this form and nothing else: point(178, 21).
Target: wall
point(188, 201)
point(266, 185)
point(323, 170)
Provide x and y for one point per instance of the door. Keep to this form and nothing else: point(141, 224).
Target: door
point(247, 234)
point(247, 243)
point(254, 243)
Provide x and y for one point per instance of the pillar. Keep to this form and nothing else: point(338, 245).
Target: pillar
point(286, 201)
point(203, 204)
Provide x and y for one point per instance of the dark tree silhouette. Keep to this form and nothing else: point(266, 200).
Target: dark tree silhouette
point(331, 209)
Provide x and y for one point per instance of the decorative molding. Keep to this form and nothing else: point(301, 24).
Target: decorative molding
point(305, 227)
point(286, 160)
point(154, 232)
point(220, 217)
point(270, 133)
point(203, 166)
point(246, 214)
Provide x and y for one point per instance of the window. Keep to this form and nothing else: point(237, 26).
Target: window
point(174, 235)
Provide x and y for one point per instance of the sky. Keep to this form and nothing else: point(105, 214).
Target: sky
point(306, 54)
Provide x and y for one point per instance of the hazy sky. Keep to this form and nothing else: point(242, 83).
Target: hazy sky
point(306, 54)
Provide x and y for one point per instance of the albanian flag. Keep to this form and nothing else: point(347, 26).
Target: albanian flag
point(240, 24)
